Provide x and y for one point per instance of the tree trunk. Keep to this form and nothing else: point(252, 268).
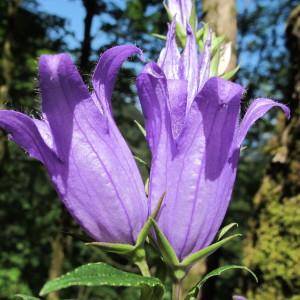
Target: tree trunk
point(272, 248)
point(90, 11)
point(7, 66)
point(221, 17)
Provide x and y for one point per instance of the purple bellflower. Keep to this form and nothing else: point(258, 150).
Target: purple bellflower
point(195, 134)
point(239, 298)
point(78, 142)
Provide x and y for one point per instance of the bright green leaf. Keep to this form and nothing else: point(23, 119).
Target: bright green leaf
point(217, 272)
point(99, 274)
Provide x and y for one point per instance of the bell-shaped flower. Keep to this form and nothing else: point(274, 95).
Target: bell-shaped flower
point(195, 134)
point(78, 142)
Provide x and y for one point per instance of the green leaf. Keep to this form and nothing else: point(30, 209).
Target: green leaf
point(220, 270)
point(99, 274)
point(165, 247)
point(206, 251)
point(217, 272)
point(225, 229)
point(24, 297)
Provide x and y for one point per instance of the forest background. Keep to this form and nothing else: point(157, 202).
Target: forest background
point(38, 239)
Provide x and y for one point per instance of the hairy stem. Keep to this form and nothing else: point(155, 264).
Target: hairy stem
point(177, 292)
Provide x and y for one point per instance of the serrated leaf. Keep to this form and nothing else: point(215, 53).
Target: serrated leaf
point(217, 272)
point(25, 297)
point(206, 251)
point(225, 229)
point(165, 247)
point(100, 274)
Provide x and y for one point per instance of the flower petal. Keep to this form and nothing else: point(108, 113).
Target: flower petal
point(181, 9)
point(189, 66)
point(200, 176)
point(107, 69)
point(169, 58)
point(256, 110)
point(96, 182)
point(177, 99)
point(24, 132)
point(153, 93)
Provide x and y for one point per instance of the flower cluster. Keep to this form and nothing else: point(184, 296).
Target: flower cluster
point(193, 128)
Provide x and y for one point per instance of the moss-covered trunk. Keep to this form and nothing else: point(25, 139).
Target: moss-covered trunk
point(273, 247)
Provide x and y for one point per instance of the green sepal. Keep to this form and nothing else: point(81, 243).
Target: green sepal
point(146, 228)
point(217, 43)
point(192, 258)
point(100, 274)
point(193, 17)
point(228, 75)
point(25, 297)
point(217, 272)
point(113, 247)
point(159, 36)
point(165, 247)
point(214, 64)
point(140, 127)
point(225, 229)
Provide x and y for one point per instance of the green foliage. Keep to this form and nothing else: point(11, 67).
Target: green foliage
point(98, 274)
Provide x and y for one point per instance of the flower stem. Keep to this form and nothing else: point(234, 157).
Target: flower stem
point(143, 266)
point(177, 292)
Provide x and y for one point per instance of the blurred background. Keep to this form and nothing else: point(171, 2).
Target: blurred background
point(38, 239)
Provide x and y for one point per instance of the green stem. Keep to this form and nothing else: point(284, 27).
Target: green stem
point(143, 266)
point(177, 291)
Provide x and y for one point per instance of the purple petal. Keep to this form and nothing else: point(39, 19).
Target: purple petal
point(153, 92)
point(181, 9)
point(98, 181)
point(239, 298)
point(170, 57)
point(25, 133)
point(107, 69)
point(200, 176)
point(256, 110)
point(177, 98)
point(204, 62)
point(190, 66)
